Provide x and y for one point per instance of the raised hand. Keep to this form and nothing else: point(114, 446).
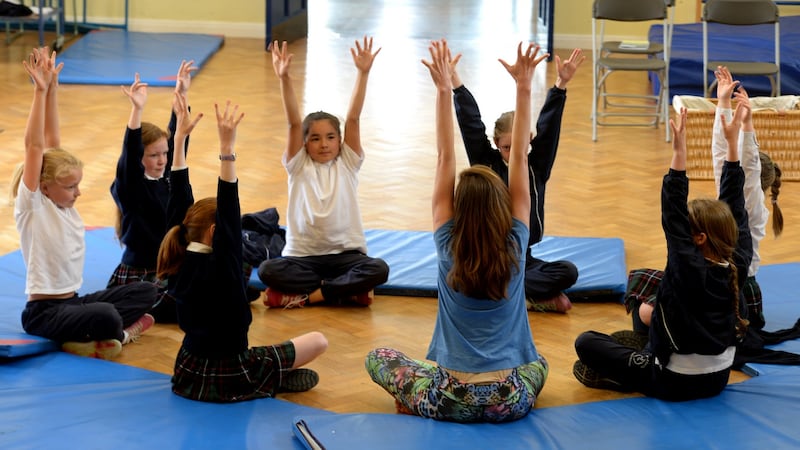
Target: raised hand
point(281, 58)
point(185, 123)
point(52, 67)
point(566, 69)
point(184, 77)
point(137, 92)
point(227, 121)
point(731, 128)
point(678, 141)
point(363, 56)
point(725, 85)
point(742, 97)
point(522, 70)
point(455, 78)
point(679, 131)
point(40, 68)
point(441, 64)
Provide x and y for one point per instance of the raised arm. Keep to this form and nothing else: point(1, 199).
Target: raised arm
point(731, 129)
point(38, 67)
point(137, 94)
point(719, 146)
point(518, 183)
point(678, 142)
point(757, 212)
point(227, 121)
point(544, 146)
point(183, 81)
point(183, 128)
point(363, 57)
point(281, 60)
point(52, 129)
point(479, 147)
point(445, 178)
point(184, 78)
point(731, 188)
point(565, 70)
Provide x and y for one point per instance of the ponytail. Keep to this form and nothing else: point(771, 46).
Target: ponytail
point(171, 253)
point(771, 179)
point(741, 323)
point(16, 179)
point(777, 214)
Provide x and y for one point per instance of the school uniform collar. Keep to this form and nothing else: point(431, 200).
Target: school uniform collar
point(198, 247)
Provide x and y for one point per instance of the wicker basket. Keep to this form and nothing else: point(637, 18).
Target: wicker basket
point(778, 135)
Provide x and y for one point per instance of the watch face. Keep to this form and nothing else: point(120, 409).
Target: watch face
point(231, 157)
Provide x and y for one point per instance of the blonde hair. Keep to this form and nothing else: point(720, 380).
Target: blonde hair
point(57, 163)
point(484, 252)
point(715, 219)
point(502, 125)
point(199, 217)
point(771, 179)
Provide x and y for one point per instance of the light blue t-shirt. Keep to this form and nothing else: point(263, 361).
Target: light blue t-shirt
point(481, 335)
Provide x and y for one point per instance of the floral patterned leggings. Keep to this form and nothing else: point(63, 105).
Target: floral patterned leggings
point(427, 390)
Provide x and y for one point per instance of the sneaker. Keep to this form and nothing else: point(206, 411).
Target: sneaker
point(559, 304)
point(107, 349)
point(275, 299)
point(592, 379)
point(364, 299)
point(630, 338)
point(298, 380)
point(138, 328)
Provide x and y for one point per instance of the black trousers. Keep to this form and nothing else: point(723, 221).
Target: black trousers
point(545, 280)
point(339, 275)
point(638, 371)
point(97, 316)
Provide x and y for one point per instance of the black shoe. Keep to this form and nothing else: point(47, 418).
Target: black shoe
point(252, 293)
point(630, 338)
point(592, 379)
point(298, 380)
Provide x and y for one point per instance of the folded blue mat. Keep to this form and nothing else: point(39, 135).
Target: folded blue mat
point(411, 256)
point(727, 43)
point(114, 56)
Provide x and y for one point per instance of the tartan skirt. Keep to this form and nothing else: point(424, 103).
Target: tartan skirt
point(643, 286)
point(254, 373)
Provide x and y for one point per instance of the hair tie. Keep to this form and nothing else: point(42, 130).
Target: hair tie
point(182, 234)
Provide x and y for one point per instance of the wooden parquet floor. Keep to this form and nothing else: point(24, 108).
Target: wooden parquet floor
point(608, 188)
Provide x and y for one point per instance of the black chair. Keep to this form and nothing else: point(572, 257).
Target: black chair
point(745, 14)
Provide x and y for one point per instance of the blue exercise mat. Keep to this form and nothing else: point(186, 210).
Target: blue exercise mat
point(411, 256)
point(57, 400)
point(781, 311)
point(103, 253)
point(61, 401)
point(114, 56)
point(730, 43)
point(758, 413)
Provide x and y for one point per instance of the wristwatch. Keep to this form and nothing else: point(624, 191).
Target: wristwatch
point(231, 157)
